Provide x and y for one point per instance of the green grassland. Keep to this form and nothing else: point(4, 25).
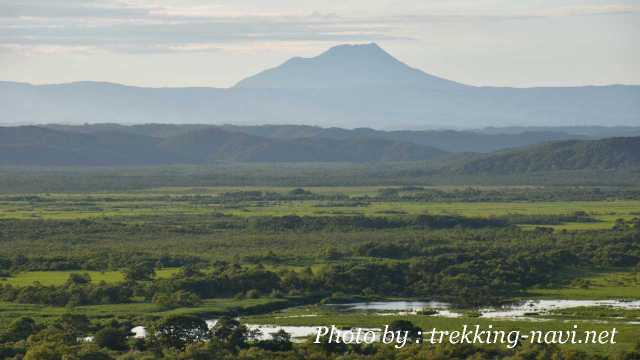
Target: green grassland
point(595, 286)
point(169, 202)
point(204, 225)
point(55, 278)
point(602, 313)
point(139, 311)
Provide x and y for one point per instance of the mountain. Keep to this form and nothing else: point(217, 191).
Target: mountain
point(348, 86)
point(114, 145)
point(31, 145)
point(346, 67)
point(447, 140)
point(605, 154)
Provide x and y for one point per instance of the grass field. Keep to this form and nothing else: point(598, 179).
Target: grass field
point(137, 310)
point(54, 278)
point(596, 286)
point(199, 226)
point(201, 201)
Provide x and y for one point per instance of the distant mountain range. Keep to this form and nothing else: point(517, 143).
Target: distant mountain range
point(480, 141)
point(447, 140)
point(31, 145)
point(347, 86)
point(117, 145)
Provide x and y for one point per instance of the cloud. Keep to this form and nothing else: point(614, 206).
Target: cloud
point(68, 9)
point(140, 26)
point(587, 10)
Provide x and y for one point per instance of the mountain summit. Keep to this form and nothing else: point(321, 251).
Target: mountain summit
point(346, 86)
point(345, 66)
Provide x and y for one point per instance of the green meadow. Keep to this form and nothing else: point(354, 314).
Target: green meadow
point(205, 202)
point(56, 278)
point(595, 286)
point(273, 255)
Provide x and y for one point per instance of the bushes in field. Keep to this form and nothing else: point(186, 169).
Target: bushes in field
point(94, 260)
point(186, 337)
point(317, 223)
point(481, 267)
point(77, 291)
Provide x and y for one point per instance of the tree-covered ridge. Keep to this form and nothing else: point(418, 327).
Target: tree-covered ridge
point(604, 154)
point(214, 146)
point(31, 145)
point(454, 141)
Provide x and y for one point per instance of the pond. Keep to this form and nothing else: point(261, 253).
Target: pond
point(266, 330)
point(524, 310)
point(540, 307)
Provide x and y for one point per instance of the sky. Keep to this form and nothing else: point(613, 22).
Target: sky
point(162, 43)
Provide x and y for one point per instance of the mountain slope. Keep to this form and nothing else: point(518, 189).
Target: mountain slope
point(610, 153)
point(30, 145)
point(215, 144)
point(447, 140)
point(344, 67)
point(347, 86)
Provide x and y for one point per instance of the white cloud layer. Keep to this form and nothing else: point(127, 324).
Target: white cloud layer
point(144, 26)
point(186, 42)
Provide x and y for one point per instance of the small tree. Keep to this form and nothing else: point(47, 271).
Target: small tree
point(140, 271)
point(414, 332)
point(178, 331)
point(73, 326)
point(231, 333)
point(280, 341)
point(19, 329)
point(111, 338)
point(177, 299)
point(78, 279)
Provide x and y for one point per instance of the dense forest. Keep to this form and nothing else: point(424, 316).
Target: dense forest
point(162, 145)
point(486, 263)
point(187, 337)
point(89, 253)
point(612, 153)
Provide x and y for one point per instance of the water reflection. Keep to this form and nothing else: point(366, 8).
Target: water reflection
point(525, 310)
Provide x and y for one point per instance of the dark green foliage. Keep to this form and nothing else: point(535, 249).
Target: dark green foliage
point(78, 279)
point(112, 338)
point(436, 172)
point(180, 330)
point(75, 295)
point(19, 329)
point(176, 299)
point(310, 223)
point(231, 333)
point(140, 271)
point(404, 326)
point(612, 153)
point(31, 145)
point(280, 341)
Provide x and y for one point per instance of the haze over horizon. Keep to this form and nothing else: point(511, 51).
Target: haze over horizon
point(197, 43)
point(346, 86)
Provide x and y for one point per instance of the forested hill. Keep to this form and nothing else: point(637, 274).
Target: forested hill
point(118, 146)
point(610, 153)
point(32, 145)
point(455, 141)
